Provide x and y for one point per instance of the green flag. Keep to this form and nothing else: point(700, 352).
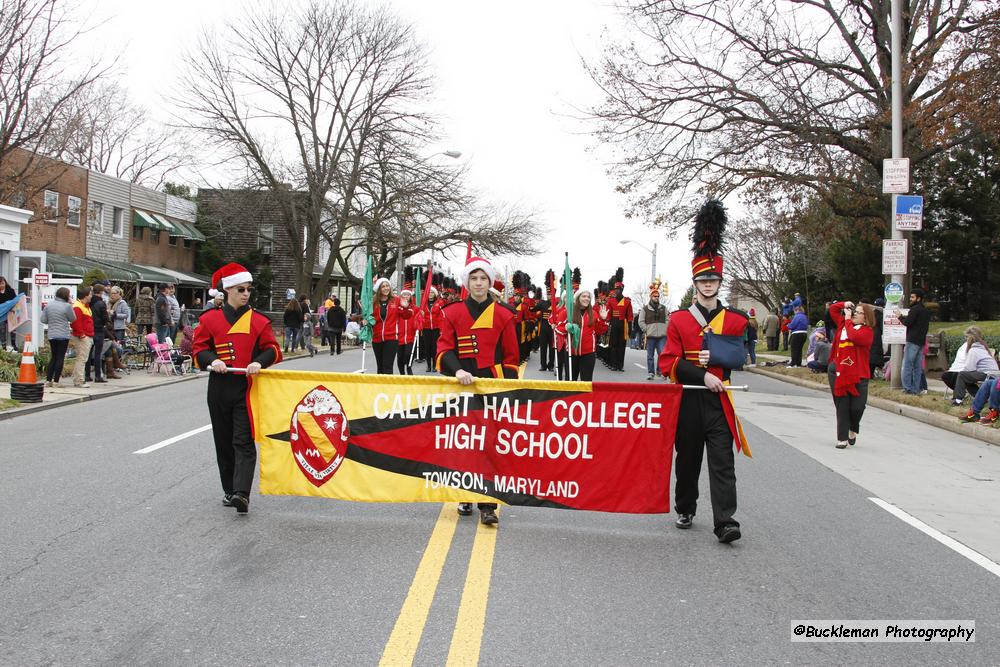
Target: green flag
point(572, 328)
point(367, 297)
point(416, 295)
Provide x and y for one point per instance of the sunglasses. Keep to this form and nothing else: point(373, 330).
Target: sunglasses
point(242, 290)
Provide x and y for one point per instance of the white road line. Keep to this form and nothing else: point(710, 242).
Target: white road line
point(949, 542)
point(170, 441)
point(643, 366)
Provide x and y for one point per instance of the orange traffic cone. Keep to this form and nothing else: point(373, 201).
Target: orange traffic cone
point(27, 372)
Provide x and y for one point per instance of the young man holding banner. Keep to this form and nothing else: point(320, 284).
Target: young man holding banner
point(707, 420)
point(234, 336)
point(478, 339)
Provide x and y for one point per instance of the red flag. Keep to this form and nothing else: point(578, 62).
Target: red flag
point(468, 256)
point(427, 290)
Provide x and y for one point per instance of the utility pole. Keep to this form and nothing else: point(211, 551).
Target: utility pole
point(896, 358)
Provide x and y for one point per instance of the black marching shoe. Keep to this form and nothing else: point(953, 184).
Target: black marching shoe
point(488, 518)
point(240, 502)
point(465, 509)
point(729, 534)
point(227, 500)
point(684, 520)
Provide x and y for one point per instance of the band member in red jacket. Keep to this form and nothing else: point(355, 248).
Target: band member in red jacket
point(478, 340)
point(707, 419)
point(620, 307)
point(591, 324)
point(387, 310)
point(849, 359)
point(432, 328)
point(406, 334)
point(234, 336)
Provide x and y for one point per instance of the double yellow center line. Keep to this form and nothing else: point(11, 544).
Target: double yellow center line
point(467, 637)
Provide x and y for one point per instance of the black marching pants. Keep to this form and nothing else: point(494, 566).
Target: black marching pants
point(616, 339)
point(403, 359)
point(429, 346)
point(849, 411)
point(583, 367)
point(701, 427)
point(234, 448)
point(545, 349)
point(385, 356)
point(562, 367)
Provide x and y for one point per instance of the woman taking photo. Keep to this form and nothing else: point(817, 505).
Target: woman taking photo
point(387, 311)
point(591, 325)
point(849, 370)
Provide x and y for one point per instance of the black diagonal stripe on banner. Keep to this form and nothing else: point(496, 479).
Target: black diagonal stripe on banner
point(373, 425)
point(413, 468)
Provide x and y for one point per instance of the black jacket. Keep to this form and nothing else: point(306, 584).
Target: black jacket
point(336, 319)
point(99, 311)
point(917, 322)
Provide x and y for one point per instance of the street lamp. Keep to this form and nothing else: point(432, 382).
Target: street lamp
point(454, 155)
point(652, 274)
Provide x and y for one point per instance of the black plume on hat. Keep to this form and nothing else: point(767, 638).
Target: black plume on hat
point(408, 274)
point(709, 227)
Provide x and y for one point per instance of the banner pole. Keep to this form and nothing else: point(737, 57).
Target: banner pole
point(416, 343)
point(740, 387)
point(364, 355)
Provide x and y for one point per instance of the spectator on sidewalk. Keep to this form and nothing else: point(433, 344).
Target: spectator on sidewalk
point(175, 311)
point(989, 392)
point(307, 326)
point(850, 367)
point(958, 364)
point(785, 321)
point(336, 321)
point(144, 309)
point(917, 321)
point(120, 313)
point(819, 359)
point(772, 327)
point(653, 323)
point(161, 313)
point(978, 361)
point(292, 319)
point(59, 315)
point(7, 293)
point(750, 339)
point(99, 315)
point(820, 328)
point(798, 328)
point(82, 328)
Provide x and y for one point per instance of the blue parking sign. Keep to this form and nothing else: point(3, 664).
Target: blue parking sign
point(909, 213)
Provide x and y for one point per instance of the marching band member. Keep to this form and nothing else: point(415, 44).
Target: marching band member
point(621, 320)
point(387, 310)
point(478, 340)
point(406, 334)
point(234, 336)
point(590, 325)
point(707, 420)
point(432, 325)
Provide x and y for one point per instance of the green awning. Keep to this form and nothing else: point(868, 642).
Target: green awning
point(182, 278)
point(172, 228)
point(195, 233)
point(143, 219)
point(142, 274)
point(76, 267)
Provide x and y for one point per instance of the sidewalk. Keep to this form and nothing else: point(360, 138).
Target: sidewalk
point(138, 380)
point(977, 431)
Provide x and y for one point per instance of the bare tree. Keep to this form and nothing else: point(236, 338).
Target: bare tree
point(296, 96)
point(756, 260)
point(106, 132)
point(715, 96)
point(39, 80)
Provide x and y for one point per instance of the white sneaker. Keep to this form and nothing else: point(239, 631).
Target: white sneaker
point(650, 377)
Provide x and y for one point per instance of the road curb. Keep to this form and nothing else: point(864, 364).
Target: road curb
point(986, 434)
point(28, 409)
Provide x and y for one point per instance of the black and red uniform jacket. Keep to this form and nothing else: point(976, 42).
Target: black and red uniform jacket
point(237, 337)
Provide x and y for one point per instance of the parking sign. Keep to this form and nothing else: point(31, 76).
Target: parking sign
point(909, 213)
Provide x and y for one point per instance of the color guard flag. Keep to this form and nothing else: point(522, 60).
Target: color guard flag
point(571, 445)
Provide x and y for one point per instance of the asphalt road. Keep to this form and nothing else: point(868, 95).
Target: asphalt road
point(112, 557)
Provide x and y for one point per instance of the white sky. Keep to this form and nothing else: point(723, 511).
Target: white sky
point(508, 76)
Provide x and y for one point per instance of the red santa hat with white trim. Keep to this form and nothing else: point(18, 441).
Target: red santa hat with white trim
point(227, 276)
point(477, 264)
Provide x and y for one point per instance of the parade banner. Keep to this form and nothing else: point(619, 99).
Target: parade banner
point(386, 438)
